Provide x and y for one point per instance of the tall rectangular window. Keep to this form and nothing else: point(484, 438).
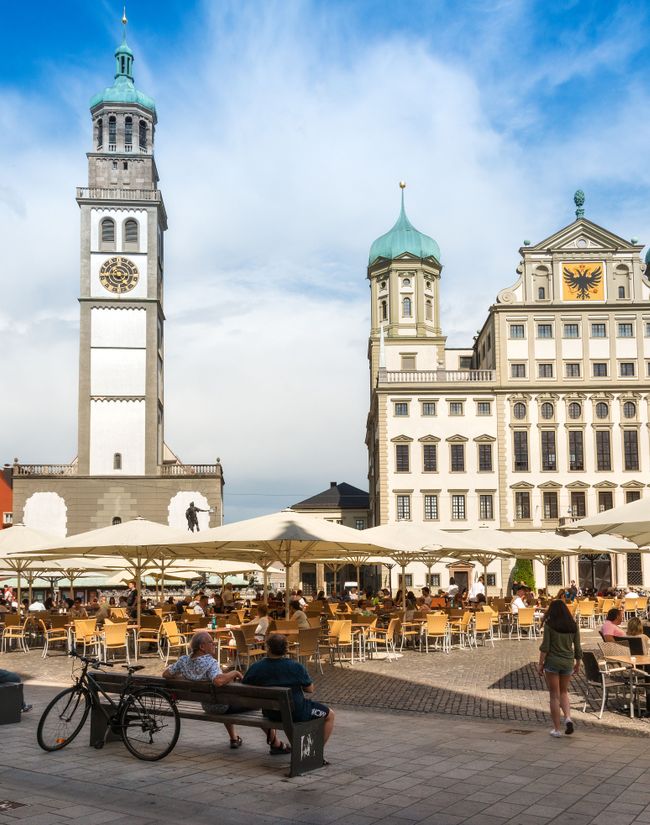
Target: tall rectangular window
point(430, 458)
point(458, 507)
point(605, 500)
point(599, 369)
point(599, 330)
point(631, 449)
point(549, 458)
point(402, 462)
point(549, 501)
point(545, 370)
point(430, 507)
point(544, 330)
point(486, 506)
point(403, 508)
point(634, 569)
point(485, 458)
point(578, 505)
point(517, 331)
point(458, 458)
point(632, 495)
point(603, 450)
point(428, 408)
point(517, 370)
point(522, 505)
point(483, 408)
point(520, 441)
point(576, 450)
point(572, 370)
point(572, 331)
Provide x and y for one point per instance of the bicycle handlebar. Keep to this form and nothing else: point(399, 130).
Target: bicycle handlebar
point(92, 662)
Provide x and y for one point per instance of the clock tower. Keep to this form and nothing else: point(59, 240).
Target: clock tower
point(123, 221)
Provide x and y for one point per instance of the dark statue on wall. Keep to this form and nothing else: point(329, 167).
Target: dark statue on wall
point(192, 517)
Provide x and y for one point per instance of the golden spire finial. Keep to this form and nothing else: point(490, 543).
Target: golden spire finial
point(124, 20)
point(402, 184)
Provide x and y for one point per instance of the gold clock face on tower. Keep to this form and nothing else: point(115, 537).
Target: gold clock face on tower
point(119, 275)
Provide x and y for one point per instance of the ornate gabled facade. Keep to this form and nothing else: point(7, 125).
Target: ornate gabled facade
point(543, 420)
point(123, 468)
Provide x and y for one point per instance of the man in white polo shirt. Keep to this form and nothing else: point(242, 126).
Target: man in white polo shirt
point(518, 601)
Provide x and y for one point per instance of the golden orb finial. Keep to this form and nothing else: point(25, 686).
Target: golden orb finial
point(402, 184)
point(124, 20)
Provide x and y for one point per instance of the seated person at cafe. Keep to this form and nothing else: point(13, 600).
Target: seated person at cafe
point(77, 611)
point(276, 670)
point(201, 665)
point(635, 629)
point(201, 606)
point(296, 614)
point(421, 605)
point(611, 626)
point(37, 604)
point(519, 602)
point(261, 622)
point(103, 611)
point(426, 595)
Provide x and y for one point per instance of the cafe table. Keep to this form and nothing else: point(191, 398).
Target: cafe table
point(634, 665)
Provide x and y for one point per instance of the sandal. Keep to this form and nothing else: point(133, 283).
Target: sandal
point(236, 743)
point(279, 750)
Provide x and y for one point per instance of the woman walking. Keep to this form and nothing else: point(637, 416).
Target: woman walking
point(559, 657)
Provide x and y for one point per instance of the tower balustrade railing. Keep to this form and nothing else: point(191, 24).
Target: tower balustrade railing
point(105, 193)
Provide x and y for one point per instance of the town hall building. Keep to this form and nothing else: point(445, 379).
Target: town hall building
point(543, 420)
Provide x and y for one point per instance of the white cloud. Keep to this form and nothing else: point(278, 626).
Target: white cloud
point(280, 144)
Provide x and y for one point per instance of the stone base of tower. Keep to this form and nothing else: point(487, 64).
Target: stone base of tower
point(53, 499)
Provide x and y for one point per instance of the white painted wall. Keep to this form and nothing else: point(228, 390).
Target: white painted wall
point(116, 327)
point(117, 427)
point(117, 371)
point(46, 512)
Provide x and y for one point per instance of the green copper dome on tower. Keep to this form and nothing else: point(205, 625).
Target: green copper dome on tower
point(403, 237)
point(123, 89)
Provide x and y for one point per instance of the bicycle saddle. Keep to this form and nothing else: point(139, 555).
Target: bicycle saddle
point(133, 668)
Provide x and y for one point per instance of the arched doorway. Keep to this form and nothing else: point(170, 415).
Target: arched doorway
point(595, 571)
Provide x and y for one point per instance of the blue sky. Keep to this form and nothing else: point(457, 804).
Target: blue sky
point(284, 128)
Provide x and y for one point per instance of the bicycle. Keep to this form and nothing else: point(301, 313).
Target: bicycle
point(146, 717)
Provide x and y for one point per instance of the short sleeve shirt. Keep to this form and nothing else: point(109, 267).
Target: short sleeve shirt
point(199, 669)
point(282, 673)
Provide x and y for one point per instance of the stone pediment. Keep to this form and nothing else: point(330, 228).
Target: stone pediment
point(522, 485)
point(605, 485)
point(457, 439)
point(550, 485)
point(583, 235)
point(404, 439)
point(485, 438)
point(429, 439)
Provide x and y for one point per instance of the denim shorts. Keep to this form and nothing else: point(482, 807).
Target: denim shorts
point(561, 671)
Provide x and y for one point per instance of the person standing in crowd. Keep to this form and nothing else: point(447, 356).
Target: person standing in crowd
point(132, 600)
point(559, 658)
point(477, 587)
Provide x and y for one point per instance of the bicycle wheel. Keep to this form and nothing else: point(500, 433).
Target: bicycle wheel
point(150, 724)
point(63, 718)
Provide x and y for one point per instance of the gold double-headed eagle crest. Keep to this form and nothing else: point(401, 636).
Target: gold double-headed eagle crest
point(583, 282)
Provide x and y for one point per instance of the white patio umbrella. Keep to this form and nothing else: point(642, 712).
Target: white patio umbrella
point(16, 539)
point(488, 544)
point(287, 537)
point(407, 542)
point(632, 521)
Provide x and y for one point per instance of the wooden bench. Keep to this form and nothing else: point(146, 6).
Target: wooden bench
point(305, 738)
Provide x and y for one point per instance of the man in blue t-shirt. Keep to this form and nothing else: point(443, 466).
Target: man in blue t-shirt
point(275, 670)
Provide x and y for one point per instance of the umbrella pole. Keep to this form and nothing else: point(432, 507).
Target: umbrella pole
point(265, 596)
point(138, 584)
point(287, 567)
point(403, 566)
point(18, 587)
point(485, 579)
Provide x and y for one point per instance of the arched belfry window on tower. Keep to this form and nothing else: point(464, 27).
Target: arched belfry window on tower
point(383, 311)
point(116, 520)
point(107, 235)
point(428, 310)
point(406, 307)
point(128, 133)
point(131, 239)
point(100, 133)
point(142, 135)
point(112, 133)
point(117, 461)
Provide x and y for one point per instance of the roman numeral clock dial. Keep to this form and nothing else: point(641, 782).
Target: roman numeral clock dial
point(119, 275)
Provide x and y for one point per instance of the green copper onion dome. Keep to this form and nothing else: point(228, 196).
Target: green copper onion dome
point(403, 237)
point(123, 89)
point(647, 257)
